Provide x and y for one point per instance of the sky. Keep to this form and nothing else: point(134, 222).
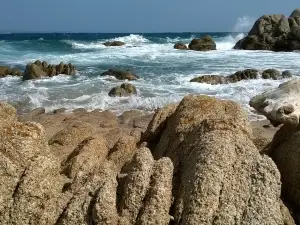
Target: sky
point(136, 16)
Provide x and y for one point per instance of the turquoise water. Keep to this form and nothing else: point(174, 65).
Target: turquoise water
point(165, 72)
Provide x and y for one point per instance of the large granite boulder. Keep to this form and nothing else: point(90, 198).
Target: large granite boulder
point(40, 69)
point(219, 175)
point(281, 105)
point(120, 74)
point(5, 71)
point(205, 43)
point(180, 46)
point(124, 90)
point(273, 32)
point(114, 43)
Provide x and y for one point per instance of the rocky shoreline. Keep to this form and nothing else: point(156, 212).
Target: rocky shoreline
point(196, 162)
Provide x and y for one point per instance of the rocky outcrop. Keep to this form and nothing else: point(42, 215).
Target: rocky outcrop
point(40, 69)
point(114, 43)
point(202, 169)
point(213, 158)
point(273, 32)
point(120, 74)
point(5, 71)
point(205, 43)
point(281, 105)
point(180, 46)
point(248, 74)
point(124, 90)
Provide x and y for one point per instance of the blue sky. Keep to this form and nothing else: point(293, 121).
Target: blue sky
point(134, 15)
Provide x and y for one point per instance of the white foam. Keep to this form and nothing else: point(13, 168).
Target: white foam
point(131, 39)
point(228, 42)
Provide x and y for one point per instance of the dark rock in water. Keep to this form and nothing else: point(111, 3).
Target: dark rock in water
point(273, 32)
point(114, 43)
point(286, 74)
point(40, 69)
point(210, 79)
point(271, 74)
point(120, 74)
point(247, 74)
point(205, 43)
point(5, 71)
point(123, 90)
point(180, 46)
point(219, 79)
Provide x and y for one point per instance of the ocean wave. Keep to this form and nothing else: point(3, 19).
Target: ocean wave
point(131, 39)
point(228, 42)
point(85, 45)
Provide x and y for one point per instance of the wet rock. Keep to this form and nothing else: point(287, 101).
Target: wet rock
point(205, 43)
point(124, 90)
point(271, 74)
point(180, 46)
point(287, 74)
point(33, 71)
point(247, 74)
point(120, 74)
point(114, 43)
point(210, 79)
point(5, 71)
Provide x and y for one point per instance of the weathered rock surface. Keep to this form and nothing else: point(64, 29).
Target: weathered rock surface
point(214, 158)
point(205, 43)
point(273, 32)
point(120, 74)
point(114, 43)
point(180, 46)
point(124, 90)
point(271, 74)
point(40, 69)
point(281, 105)
point(5, 71)
point(210, 79)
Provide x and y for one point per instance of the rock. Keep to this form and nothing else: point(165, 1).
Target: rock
point(180, 46)
point(295, 13)
point(205, 43)
point(281, 105)
point(247, 74)
point(120, 75)
point(5, 71)
point(40, 69)
point(8, 114)
point(271, 74)
point(29, 116)
point(124, 90)
point(217, 169)
point(287, 74)
point(273, 32)
point(210, 79)
point(33, 71)
point(114, 43)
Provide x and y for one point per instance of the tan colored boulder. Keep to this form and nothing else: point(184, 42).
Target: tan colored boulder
point(205, 43)
point(124, 90)
point(217, 169)
point(8, 113)
point(120, 74)
point(281, 105)
point(180, 46)
point(33, 71)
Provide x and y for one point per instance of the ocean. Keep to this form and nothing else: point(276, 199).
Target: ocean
point(165, 72)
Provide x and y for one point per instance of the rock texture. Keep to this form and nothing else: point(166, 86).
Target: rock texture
point(205, 43)
point(273, 32)
point(40, 69)
point(280, 106)
point(114, 43)
point(180, 46)
point(203, 168)
point(217, 169)
point(120, 74)
point(5, 71)
point(124, 90)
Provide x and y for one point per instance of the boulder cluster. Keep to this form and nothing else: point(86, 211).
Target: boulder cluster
point(5, 71)
point(248, 74)
point(273, 32)
point(205, 43)
point(190, 163)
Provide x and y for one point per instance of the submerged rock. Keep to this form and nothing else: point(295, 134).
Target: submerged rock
point(180, 46)
point(271, 74)
point(205, 43)
point(124, 90)
point(120, 74)
point(210, 79)
point(114, 43)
